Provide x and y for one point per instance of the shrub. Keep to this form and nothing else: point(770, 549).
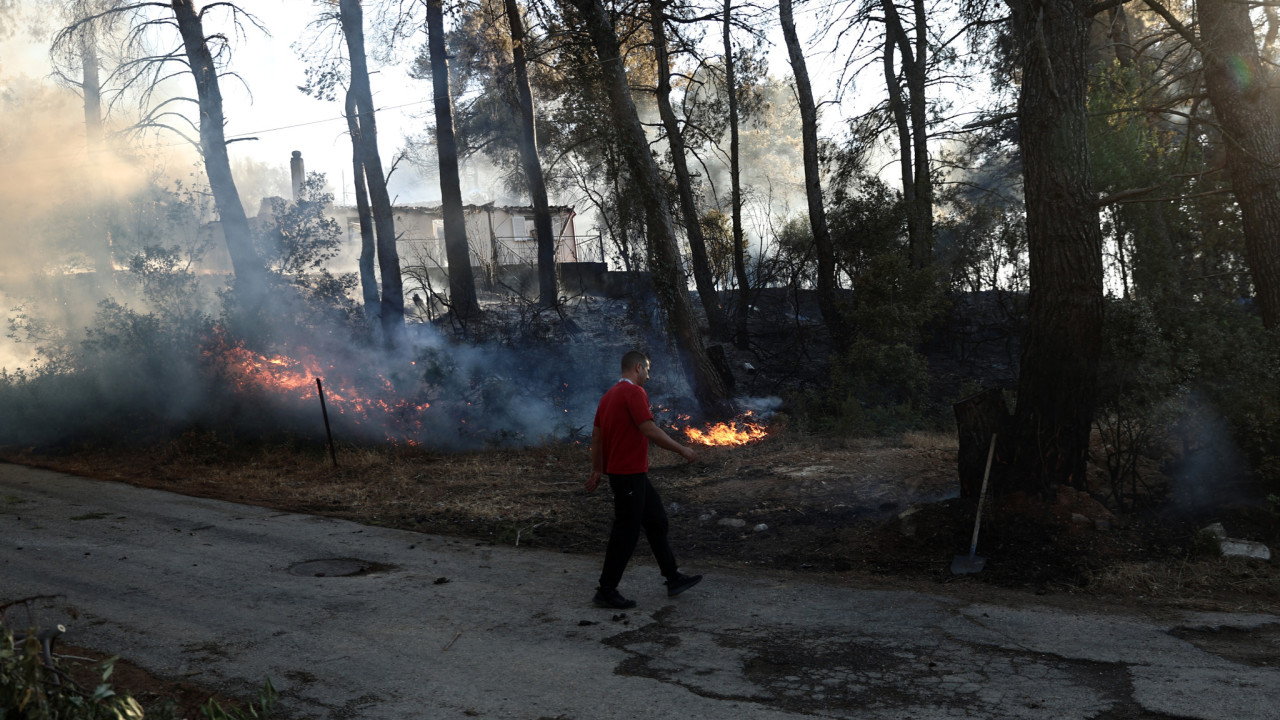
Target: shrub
point(1164, 366)
point(32, 690)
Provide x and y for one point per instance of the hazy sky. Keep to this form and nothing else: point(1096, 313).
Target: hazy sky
point(274, 71)
point(269, 106)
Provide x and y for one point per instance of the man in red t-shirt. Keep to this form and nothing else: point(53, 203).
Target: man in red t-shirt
point(620, 439)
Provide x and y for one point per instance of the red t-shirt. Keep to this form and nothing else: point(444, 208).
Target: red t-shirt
point(624, 449)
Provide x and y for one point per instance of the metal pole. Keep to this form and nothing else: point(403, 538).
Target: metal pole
point(333, 455)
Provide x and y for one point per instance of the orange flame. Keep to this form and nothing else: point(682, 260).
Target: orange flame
point(735, 432)
point(295, 378)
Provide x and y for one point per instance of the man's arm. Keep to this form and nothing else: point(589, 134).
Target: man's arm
point(597, 460)
point(660, 438)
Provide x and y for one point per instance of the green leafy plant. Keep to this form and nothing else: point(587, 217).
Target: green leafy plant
point(33, 687)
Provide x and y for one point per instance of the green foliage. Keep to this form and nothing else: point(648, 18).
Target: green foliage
point(302, 239)
point(982, 246)
point(1239, 374)
point(1126, 147)
point(891, 303)
point(875, 389)
point(31, 690)
point(1142, 391)
point(1159, 362)
point(880, 385)
point(717, 231)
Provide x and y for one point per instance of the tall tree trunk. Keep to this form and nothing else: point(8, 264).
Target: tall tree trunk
point(922, 245)
point(826, 281)
point(740, 338)
point(392, 305)
point(250, 273)
point(664, 258)
point(911, 117)
point(90, 84)
point(547, 292)
point(1057, 388)
point(368, 246)
point(462, 285)
point(898, 109)
point(702, 277)
point(1246, 102)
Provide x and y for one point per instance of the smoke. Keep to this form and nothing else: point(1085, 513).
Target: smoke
point(54, 194)
point(144, 346)
point(47, 168)
point(1210, 471)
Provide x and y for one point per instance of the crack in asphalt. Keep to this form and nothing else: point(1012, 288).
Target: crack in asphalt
point(830, 672)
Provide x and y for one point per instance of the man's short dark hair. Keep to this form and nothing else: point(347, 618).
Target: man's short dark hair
point(631, 358)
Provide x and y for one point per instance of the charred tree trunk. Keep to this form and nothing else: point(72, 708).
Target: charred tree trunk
point(392, 304)
point(1057, 388)
point(251, 276)
point(462, 285)
point(978, 418)
point(368, 246)
point(1244, 96)
point(664, 259)
point(716, 320)
point(826, 281)
point(547, 292)
point(735, 183)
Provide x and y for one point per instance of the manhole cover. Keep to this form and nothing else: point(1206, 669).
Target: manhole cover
point(336, 567)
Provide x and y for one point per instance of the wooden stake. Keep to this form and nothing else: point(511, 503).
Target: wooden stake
point(333, 455)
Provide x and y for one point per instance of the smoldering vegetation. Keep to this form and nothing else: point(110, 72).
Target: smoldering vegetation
point(179, 355)
point(117, 330)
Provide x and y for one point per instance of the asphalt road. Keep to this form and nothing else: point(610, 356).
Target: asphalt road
point(435, 627)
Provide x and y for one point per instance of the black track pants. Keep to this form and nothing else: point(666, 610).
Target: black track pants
point(636, 505)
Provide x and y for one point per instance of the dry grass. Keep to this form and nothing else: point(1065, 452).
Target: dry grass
point(1203, 583)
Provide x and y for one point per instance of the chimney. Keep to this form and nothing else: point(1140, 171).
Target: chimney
point(297, 173)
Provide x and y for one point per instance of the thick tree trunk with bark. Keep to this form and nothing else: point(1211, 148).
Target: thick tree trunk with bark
point(1057, 387)
point(547, 292)
point(922, 243)
point(392, 305)
point(664, 258)
point(826, 281)
point(250, 273)
point(740, 338)
point(702, 277)
point(368, 246)
point(1246, 102)
point(462, 285)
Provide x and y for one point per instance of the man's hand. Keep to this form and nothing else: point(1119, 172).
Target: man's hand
point(593, 482)
point(688, 454)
